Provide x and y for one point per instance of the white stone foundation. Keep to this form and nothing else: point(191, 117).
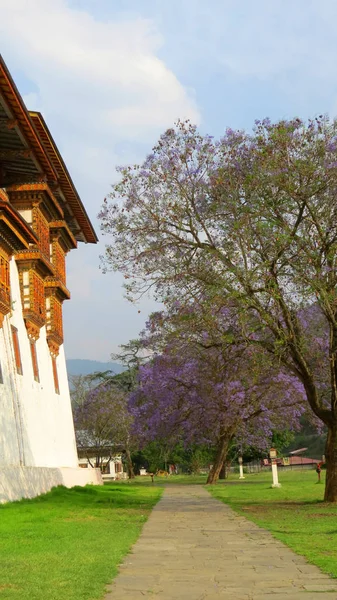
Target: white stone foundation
point(29, 482)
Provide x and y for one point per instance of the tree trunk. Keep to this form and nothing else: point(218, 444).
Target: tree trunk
point(90, 463)
point(220, 459)
point(223, 473)
point(104, 467)
point(129, 464)
point(330, 494)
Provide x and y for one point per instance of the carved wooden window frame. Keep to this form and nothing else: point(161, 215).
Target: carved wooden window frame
point(4, 274)
point(41, 227)
point(5, 289)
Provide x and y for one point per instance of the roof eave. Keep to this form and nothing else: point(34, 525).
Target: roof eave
point(64, 177)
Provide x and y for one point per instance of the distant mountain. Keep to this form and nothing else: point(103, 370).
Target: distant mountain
point(80, 366)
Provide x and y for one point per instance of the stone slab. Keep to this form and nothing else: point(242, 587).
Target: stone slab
point(194, 547)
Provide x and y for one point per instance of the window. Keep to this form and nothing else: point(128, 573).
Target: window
point(16, 347)
point(41, 227)
point(4, 279)
point(58, 260)
point(54, 317)
point(34, 360)
point(60, 263)
point(26, 290)
point(57, 318)
point(56, 379)
point(38, 295)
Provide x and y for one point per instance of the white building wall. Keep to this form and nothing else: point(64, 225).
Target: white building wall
point(36, 425)
point(28, 482)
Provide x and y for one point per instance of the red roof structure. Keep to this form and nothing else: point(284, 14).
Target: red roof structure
point(302, 460)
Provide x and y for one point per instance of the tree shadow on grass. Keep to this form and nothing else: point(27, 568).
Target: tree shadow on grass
point(280, 503)
point(88, 497)
point(301, 532)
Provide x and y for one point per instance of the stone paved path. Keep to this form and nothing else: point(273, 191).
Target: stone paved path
point(194, 547)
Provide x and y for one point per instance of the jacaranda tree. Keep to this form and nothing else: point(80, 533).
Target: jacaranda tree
point(195, 395)
point(251, 217)
point(103, 425)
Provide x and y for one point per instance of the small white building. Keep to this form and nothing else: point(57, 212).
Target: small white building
point(112, 467)
point(41, 219)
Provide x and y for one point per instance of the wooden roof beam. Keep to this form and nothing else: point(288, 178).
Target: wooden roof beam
point(7, 153)
point(7, 123)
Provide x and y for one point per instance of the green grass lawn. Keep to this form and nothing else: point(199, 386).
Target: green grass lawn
point(294, 513)
point(67, 544)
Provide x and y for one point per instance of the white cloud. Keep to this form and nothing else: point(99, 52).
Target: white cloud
point(104, 78)
point(106, 97)
point(97, 83)
point(107, 91)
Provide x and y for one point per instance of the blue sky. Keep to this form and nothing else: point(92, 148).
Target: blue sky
point(109, 77)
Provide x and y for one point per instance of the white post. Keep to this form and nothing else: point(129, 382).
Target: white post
point(241, 468)
point(272, 454)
